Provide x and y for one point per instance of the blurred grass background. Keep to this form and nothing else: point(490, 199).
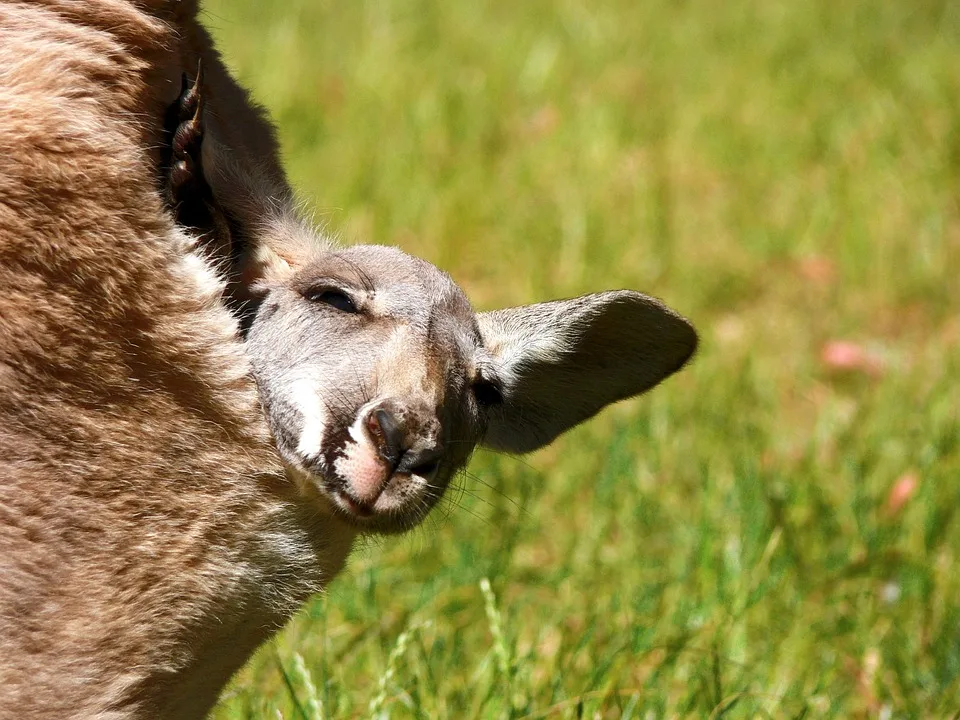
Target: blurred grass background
point(773, 531)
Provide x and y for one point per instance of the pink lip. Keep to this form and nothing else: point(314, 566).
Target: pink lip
point(355, 507)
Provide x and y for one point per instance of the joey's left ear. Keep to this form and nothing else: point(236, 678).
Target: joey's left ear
point(271, 240)
point(561, 362)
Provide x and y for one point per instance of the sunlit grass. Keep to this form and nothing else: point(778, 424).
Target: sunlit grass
point(786, 175)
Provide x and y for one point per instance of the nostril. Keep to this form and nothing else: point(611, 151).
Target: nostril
point(387, 435)
point(373, 425)
point(425, 469)
point(405, 439)
point(422, 463)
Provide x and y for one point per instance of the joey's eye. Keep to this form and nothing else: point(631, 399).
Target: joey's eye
point(487, 393)
point(333, 298)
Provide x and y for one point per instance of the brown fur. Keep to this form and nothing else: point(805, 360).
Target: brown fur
point(139, 494)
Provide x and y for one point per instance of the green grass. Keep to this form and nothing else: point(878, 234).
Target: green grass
point(783, 173)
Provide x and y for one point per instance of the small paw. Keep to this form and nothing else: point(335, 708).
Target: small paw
point(184, 185)
point(185, 181)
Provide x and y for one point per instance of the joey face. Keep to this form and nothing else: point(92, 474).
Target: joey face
point(379, 379)
point(375, 381)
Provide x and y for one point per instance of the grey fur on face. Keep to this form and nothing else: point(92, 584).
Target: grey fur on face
point(379, 379)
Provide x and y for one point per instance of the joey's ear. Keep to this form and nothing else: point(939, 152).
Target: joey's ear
point(561, 362)
point(278, 247)
point(261, 267)
point(271, 240)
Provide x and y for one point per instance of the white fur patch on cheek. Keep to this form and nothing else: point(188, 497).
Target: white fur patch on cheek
point(307, 400)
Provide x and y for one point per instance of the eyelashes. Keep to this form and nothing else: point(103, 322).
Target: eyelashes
point(336, 299)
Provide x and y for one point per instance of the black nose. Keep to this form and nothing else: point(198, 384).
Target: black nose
point(405, 439)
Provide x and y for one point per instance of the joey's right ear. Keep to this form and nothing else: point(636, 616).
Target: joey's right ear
point(271, 240)
point(561, 362)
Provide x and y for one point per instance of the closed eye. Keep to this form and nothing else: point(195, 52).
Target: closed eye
point(334, 298)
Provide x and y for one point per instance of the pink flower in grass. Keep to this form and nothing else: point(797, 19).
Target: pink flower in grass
point(847, 356)
point(901, 492)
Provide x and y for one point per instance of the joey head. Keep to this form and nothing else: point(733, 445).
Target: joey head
point(379, 379)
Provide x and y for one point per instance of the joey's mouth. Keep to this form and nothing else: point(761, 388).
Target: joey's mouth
point(401, 505)
point(390, 503)
point(398, 502)
point(353, 505)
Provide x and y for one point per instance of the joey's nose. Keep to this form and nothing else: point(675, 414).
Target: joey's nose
point(406, 440)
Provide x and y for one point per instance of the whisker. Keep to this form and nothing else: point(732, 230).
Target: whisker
point(476, 478)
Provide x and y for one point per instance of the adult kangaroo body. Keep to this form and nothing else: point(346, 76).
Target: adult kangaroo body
point(159, 517)
point(138, 487)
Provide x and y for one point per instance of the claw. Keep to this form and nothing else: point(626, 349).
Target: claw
point(184, 175)
point(190, 97)
point(189, 133)
point(185, 186)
